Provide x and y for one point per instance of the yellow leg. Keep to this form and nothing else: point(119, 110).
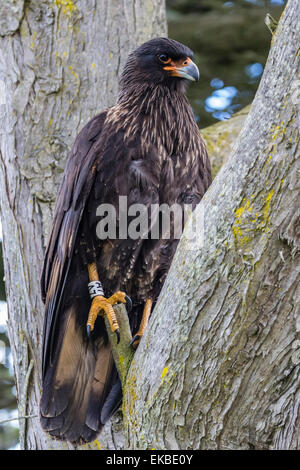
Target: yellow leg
point(101, 304)
point(143, 325)
point(117, 297)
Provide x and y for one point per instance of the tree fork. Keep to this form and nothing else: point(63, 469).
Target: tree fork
point(59, 66)
point(218, 367)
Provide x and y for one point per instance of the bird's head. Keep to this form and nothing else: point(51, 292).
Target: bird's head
point(160, 61)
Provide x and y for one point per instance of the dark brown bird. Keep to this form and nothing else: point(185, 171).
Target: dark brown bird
point(148, 148)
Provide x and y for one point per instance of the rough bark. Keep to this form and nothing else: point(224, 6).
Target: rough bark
point(218, 367)
point(59, 66)
point(220, 362)
point(221, 137)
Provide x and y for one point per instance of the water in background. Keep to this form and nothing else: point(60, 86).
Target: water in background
point(231, 44)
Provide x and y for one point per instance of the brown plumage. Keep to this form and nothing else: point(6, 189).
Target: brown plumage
point(148, 148)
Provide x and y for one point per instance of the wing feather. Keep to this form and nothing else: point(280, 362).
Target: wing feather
point(78, 179)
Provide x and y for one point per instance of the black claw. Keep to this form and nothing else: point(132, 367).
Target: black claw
point(88, 330)
point(134, 339)
point(128, 303)
point(118, 336)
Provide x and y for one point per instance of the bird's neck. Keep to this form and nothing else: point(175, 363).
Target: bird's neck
point(159, 115)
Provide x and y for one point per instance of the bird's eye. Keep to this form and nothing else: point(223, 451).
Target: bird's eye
point(164, 58)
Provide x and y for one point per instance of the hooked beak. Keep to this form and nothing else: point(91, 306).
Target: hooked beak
point(188, 70)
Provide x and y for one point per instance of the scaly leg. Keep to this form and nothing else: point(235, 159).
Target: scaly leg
point(143, 325)
point(102, 304)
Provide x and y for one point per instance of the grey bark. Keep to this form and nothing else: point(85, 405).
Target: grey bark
point(59, 65)
point(221, 137)
point(218, 367)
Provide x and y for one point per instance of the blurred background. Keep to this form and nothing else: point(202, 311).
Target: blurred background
point(231, 44)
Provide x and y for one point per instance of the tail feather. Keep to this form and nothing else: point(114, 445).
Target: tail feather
point(77, 385)
point(112, 402)
point(102, 379)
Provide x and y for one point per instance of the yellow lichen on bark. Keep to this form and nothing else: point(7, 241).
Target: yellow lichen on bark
point(248, 222)
point(67, 6)
point(130, 397)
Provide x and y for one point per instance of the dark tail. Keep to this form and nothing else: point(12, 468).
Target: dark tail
point(81, 387)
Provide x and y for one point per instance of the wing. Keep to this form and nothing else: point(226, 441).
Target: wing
point(77, 181)
point(81, 388)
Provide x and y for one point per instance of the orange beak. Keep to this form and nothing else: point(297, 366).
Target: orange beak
point(184, 69)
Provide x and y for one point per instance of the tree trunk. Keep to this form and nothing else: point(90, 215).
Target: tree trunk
point(221, 137)
point(218, 367)
point(223, 336)
point(59, 66)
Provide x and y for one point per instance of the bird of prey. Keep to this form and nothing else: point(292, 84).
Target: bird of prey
point(146, 148)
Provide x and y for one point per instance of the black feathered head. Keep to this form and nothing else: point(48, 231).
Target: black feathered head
point(160, 61)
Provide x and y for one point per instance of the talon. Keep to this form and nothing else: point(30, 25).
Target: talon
point(143, 324)
point(134, 339)
point(117, 297)
point(102, 306)
point(93, 314)
point(128, 303)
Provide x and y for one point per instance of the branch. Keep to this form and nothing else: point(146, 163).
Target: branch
point(216, 368)
point(221, 137)
point(271, 23)
point(18, 418)
point(122, 352)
